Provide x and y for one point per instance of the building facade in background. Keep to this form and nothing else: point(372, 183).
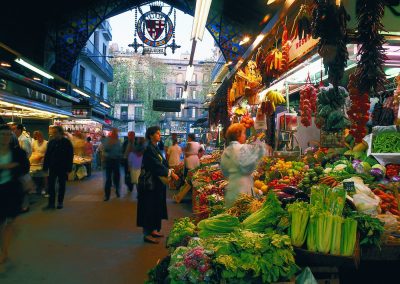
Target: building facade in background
point(131, 108)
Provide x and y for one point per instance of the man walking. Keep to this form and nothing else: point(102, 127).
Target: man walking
point(58, 160)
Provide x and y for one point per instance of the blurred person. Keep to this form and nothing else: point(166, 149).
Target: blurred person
point(14, 164)
point(169, 142)
point(99, 153)
point(39, 146)
point(79, 144)
point(174, 154)
point(127, 148)
point(152, 192)
point(58, 161)
point(23, 140)
point(89, 153)
point(135, 161)
point(238, 161)
point(192, 151)
point(112, 157)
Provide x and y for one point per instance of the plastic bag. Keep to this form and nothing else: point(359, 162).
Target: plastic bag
point(366, 204)
point(81, 172)
point(306, 277)
point(360, 187)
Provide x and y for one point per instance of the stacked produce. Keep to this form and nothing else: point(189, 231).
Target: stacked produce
point(216, 225)
point(247, 121)
point(386, 142)
point(330, 105)
point(358, 112)
point(183, 228)
point(308, 104)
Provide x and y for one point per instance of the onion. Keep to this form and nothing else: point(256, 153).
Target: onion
point(395, 179)
point(377, 173)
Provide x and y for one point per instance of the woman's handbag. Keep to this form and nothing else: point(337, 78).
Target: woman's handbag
point(145, 181)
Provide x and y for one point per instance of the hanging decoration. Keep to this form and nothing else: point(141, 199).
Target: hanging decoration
point(370, 74)
point(302, 22)
point(308, 103)
point(285, 49)
point(358, 111)
point(330, 25)
point(155, 29)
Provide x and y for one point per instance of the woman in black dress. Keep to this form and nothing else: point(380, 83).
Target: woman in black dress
point(152, 200)
point(13, 165)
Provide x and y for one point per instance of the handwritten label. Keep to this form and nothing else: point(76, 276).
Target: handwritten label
point(349, 186)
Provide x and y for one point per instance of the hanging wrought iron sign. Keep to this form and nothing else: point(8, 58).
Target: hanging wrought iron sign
point(155, 29)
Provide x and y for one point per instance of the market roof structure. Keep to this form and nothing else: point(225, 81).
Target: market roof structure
point(39, 29)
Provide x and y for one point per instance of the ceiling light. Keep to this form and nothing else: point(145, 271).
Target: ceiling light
point(32, 111)
point(63, 89)
point(36, 79)
point(5, 64)
point(244, 40)
point(81, 93)
point(258, 40)
point(33, 68)
point(200, 19)
point(105, 104)
point(270, 2)
point(189, 73)
point(228, 63)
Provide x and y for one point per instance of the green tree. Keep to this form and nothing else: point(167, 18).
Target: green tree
point(146, 77)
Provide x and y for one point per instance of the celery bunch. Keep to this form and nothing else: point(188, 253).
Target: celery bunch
point(349, 235)
point(299, 215)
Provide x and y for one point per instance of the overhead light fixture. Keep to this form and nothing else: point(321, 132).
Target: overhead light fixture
point(200, 19)
point(5, 64)
point(105, 104)
point(258, 40)
point(33, 68)
point(244, 40)
point(228, 63)
point(63, 89)
point(30, 111)
point(270, 2)
point(189, 73)
point(37, 79)
point(81, 93)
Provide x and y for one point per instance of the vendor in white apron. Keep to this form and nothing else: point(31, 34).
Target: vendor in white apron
point(238, 161)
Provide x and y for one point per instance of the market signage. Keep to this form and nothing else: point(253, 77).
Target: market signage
point(301, 47)
point(155, 29)
point(83, 112)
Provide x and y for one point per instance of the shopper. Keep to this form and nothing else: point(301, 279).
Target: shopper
point(112, 157)
point(168, 143)
point(128, 148)
point(39, 147)
point(238, 162)
point(100, 153)
point(25, 144)
point(13, 165)
point(192, 151)
point(135, 161)
point(89, 154)
point(174, 154)
point(58, 161)
point(152, 199)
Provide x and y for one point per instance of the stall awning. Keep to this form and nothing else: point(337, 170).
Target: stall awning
point(11, 105)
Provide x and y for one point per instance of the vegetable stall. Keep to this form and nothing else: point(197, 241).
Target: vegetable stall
point(327, 100)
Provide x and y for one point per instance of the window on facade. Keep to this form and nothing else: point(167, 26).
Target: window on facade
point(179, 91)
point(138, 113)
point(93, 84)
point(206, 78)
point(101, 89)
point(178, 114)
point(194, 78)
point(193, 112)
point(179, 78)
point(124, 112)
point(104, 52)
point(81, 76)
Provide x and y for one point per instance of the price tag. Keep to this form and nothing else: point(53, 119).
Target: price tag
point(349, 186)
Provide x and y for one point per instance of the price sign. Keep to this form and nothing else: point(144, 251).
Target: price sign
point(349, 186)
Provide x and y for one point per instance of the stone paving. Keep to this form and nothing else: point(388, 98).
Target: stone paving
point(89, 241)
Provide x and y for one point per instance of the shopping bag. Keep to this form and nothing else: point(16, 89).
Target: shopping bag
point(134, 173)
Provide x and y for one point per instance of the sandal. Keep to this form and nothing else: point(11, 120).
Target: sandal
point(150, 240)
point(157, 235)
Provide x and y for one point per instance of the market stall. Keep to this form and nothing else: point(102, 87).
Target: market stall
point(328, 197)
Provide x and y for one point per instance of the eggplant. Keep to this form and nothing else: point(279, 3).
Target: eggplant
point(288, 200)
point(307, 200)
point(282, 195)
point(301, 194)
point(290, 190)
